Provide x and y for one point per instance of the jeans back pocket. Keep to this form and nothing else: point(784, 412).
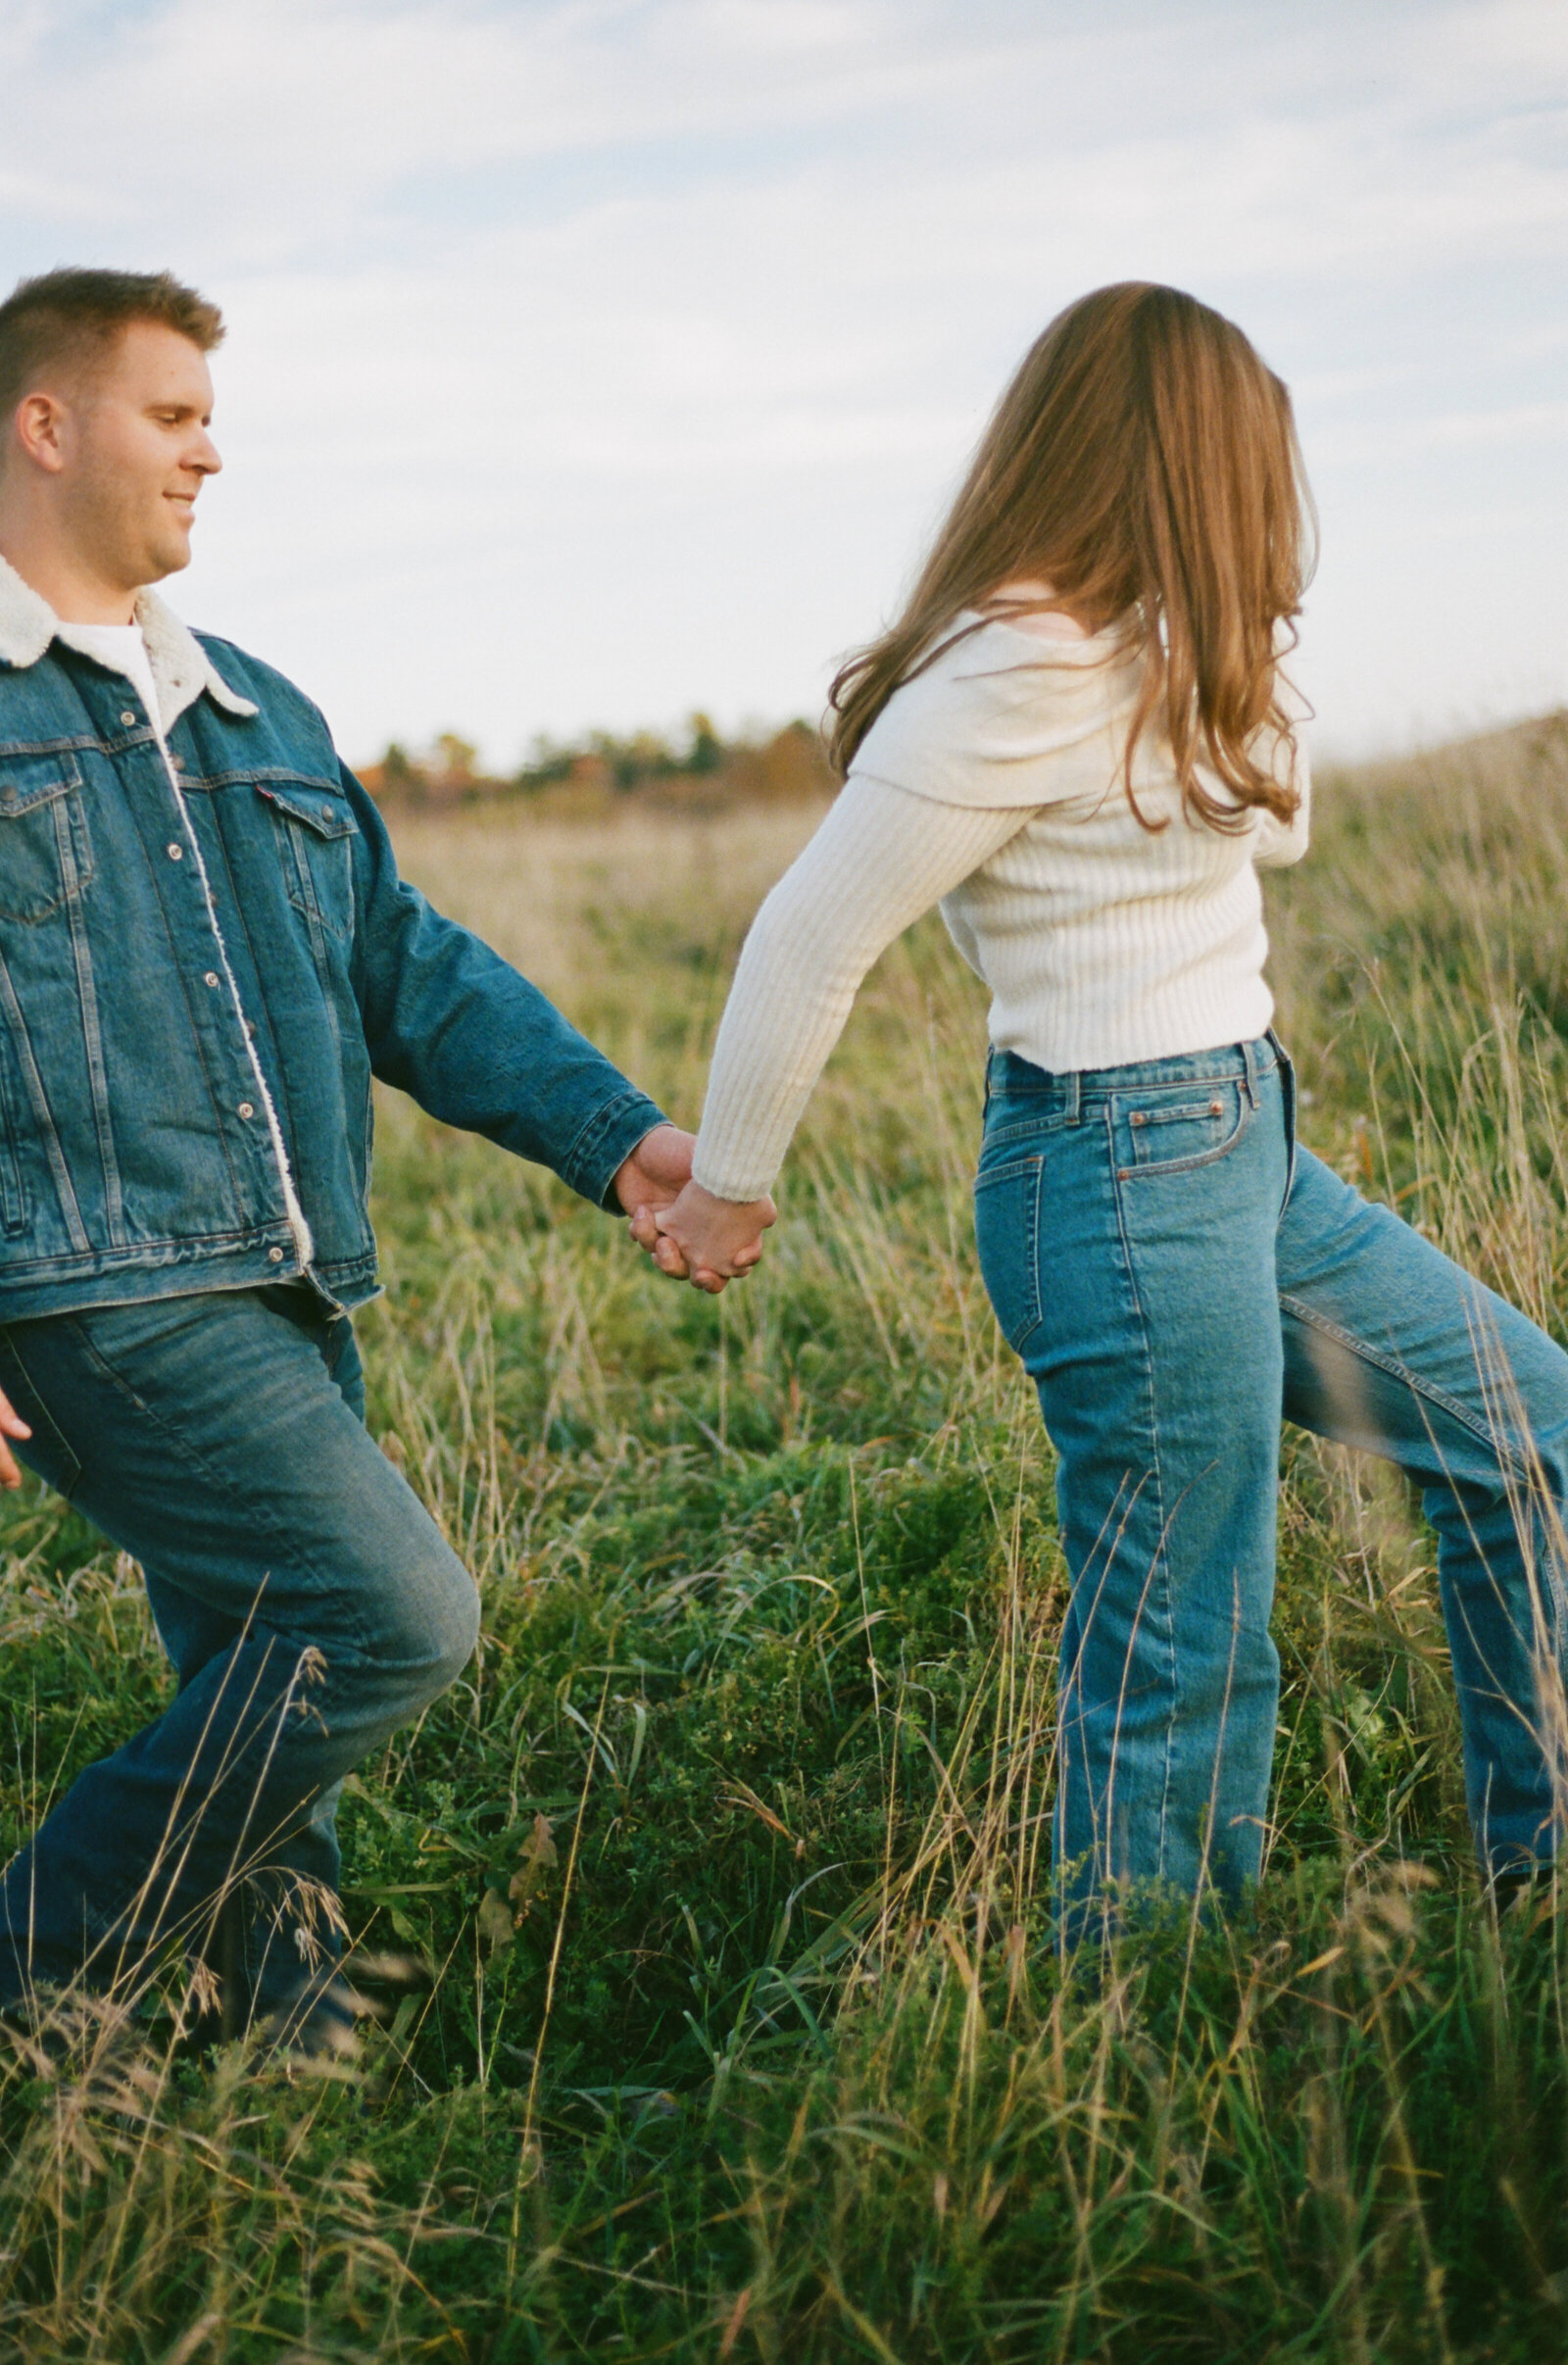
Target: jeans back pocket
point(1006, 1225)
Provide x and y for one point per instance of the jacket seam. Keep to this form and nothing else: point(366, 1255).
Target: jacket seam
point(92, 1046)
point(300, 1231)
point(37, 1094)
point(177, 969)
point(597, 1129)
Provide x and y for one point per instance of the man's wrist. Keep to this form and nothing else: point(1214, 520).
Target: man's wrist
point(610, 1137)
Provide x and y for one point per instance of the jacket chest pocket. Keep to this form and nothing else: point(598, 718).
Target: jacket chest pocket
point(315, 834)
point(45, 851)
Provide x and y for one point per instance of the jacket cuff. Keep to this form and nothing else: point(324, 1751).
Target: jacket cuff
point(605, 1144)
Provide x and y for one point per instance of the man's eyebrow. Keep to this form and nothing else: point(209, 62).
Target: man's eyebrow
point(175, 409)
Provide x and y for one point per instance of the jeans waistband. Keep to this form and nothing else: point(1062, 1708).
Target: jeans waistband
point(1067, 1093)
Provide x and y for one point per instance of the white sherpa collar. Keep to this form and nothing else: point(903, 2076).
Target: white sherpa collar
point(182, 666)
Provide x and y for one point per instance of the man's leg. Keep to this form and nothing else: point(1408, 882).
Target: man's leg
point(208, 1437)
point(1391, 1346)
point(285, 1914)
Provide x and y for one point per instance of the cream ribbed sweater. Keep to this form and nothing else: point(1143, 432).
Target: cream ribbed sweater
point(989, 784)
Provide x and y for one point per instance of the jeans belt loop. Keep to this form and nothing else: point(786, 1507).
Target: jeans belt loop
point(1249, 1055)
point(1072, 1096)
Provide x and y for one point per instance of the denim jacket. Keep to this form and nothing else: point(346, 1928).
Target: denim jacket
point(206, 954)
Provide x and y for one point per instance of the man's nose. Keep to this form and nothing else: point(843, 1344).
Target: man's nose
point(207, 458)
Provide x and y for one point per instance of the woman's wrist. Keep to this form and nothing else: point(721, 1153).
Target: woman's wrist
point(710, 1240)
point(732, 1185)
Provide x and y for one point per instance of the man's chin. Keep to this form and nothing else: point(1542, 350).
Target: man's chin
point(172, 557)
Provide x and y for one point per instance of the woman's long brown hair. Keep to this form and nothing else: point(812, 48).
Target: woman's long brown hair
point(1144, 464)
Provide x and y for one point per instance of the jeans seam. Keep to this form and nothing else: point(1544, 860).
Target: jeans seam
point(188, 1453)
point(8, 1345)
point(1162, 1579)
point(1288, 1095)
point(1033, 1164)
point(1502, 1447)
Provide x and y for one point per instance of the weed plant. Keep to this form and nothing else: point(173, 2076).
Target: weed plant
point(746, 2036)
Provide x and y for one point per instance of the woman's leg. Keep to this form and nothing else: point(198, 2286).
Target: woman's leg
point(1391, 1346)
point(1126, 1227)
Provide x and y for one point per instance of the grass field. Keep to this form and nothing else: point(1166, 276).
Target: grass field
point(747, 2038)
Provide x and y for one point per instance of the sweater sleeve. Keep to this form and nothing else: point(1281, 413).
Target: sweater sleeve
point(1280, 843)
point(883, 857)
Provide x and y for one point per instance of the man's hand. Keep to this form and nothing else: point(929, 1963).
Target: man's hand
point(653, 1176)
point(672, 1214)
point(12, 1424)
point(709, 1240)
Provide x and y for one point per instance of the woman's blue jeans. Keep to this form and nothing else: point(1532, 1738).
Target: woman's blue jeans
point(1176, 1276)
point(309, 1604)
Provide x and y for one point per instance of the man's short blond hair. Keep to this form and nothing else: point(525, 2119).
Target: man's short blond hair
point(68, 320)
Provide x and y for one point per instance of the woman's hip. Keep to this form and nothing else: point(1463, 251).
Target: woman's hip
point(1134, 1204)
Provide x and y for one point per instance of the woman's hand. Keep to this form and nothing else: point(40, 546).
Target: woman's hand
point(705, 1240)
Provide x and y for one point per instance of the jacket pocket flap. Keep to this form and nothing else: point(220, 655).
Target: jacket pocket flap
point(317, 809)
point(29, 781)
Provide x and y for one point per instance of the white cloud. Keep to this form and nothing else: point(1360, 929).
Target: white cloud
point(597, 358)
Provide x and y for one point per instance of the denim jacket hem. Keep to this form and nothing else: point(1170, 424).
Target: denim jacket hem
point(65, 1285)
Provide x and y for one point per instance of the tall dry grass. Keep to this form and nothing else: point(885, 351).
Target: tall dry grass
point(746, 2035)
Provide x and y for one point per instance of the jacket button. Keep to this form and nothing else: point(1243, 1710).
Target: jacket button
point(129, 718)
point(177, 854)
point(246, 1109)
point(211, 977)
point(274, 1256)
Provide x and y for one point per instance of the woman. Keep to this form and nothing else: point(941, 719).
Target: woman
point(1077, 737)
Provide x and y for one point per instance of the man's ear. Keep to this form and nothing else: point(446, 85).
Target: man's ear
point(39, 427)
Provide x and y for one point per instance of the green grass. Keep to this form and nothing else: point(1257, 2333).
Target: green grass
point(747, 2040)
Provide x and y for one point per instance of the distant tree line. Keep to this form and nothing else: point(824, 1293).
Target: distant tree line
point(701, 770)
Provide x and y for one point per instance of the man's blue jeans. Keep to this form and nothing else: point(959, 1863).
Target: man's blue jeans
point(1176, 1276)
point(307, 1599)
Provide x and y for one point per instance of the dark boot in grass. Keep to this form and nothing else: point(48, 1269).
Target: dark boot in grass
point(319, 2027)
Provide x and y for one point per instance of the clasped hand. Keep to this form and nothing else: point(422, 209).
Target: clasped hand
point(691, 1235)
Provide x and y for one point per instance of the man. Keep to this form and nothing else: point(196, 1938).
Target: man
point(206, 954)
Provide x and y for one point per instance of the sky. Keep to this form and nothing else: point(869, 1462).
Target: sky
point(595, 361)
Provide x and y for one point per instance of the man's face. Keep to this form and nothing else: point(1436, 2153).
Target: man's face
point(135, 453)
